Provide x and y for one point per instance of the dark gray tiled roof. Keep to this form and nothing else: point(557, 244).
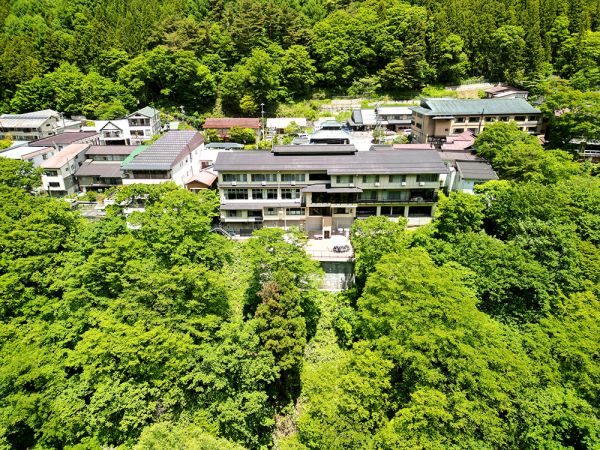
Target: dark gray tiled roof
point(476, 170)
point(166, 151)
point(371, 162)
point(311, 149)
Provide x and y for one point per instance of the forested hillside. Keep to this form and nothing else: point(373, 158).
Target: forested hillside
point(100, 57)
point(478, 331)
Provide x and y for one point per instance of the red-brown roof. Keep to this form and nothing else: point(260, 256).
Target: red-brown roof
point(228, 122)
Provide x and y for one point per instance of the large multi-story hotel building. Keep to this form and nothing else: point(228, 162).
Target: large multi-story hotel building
point(324, 188)
point(435, 119)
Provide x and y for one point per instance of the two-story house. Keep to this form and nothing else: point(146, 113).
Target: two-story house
point(435, 119)
point(324, 188)
point(58, 178)
point(173, 157)
point(114, 132)
point(102, 167)
point(143, 124)
point(29, 126)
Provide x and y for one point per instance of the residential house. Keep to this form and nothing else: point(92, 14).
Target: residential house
point(114, 132)
point(224, 125)
point(34, 155)
point(58, 178)
point(102, 167)
point(436, 119)
point(60, 141)
point(330, 132)
point(471, 173)
point(173, 157)
point(362, 120)
point(205, 179)
point(394, 118)
point(500, 91)
point(277, 125)
point(324, 188)
point(143, 124)
point(34, 125)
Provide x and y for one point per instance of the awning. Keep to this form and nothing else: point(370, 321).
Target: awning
point(315, 188)
point(348, 190)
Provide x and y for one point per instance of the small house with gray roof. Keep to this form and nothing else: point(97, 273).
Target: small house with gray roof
point(173, 157)
point(324, 188)
point(143, 124)
point(435, 119)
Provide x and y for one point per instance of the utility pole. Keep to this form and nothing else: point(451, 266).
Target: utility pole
point(262, 120)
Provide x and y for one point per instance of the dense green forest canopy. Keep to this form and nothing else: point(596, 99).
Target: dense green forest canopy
point(102, 57)
point(479, 330)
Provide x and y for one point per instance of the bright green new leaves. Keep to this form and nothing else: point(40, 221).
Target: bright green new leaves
point(19, 174)
point(373, 238)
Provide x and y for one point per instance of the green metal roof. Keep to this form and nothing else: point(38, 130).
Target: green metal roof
point(450, 106)
point(139, 149)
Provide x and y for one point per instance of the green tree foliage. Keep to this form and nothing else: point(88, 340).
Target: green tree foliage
point(19, 174)
point(458, 213)
point(516, 155)
point(242, 135)
point(167, 76)
point(186, 47)
point(69, 90)
point(373, 238)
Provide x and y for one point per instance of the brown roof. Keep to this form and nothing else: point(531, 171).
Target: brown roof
point(62, 138)
point(228, 122)
point(102, 169)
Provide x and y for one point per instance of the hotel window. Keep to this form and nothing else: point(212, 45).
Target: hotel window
point(368, 195)
point(271, 194)
point(236, 194)
point(294, 212)
point(472, 130)
point(458, 130)
point(427, 177)
point(393, 211)
point(254, 213)
point(503, 119)
point(490, 119)
point(532, 129)
point(234, 213)
point(264, 177)
point(370, 178)
point(290, 194)
point(344, 179)
point(258, 194)
point(271, 212)
point(397, 178)
point(51, 173)
point(532, 118)
point(460, 120)
point(287, 177)
point(519, 118)
point(341, 210)
point(229, 177)
point(473, 119)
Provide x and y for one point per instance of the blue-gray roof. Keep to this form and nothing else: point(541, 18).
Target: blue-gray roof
point(166, 151)
point(452, 106)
